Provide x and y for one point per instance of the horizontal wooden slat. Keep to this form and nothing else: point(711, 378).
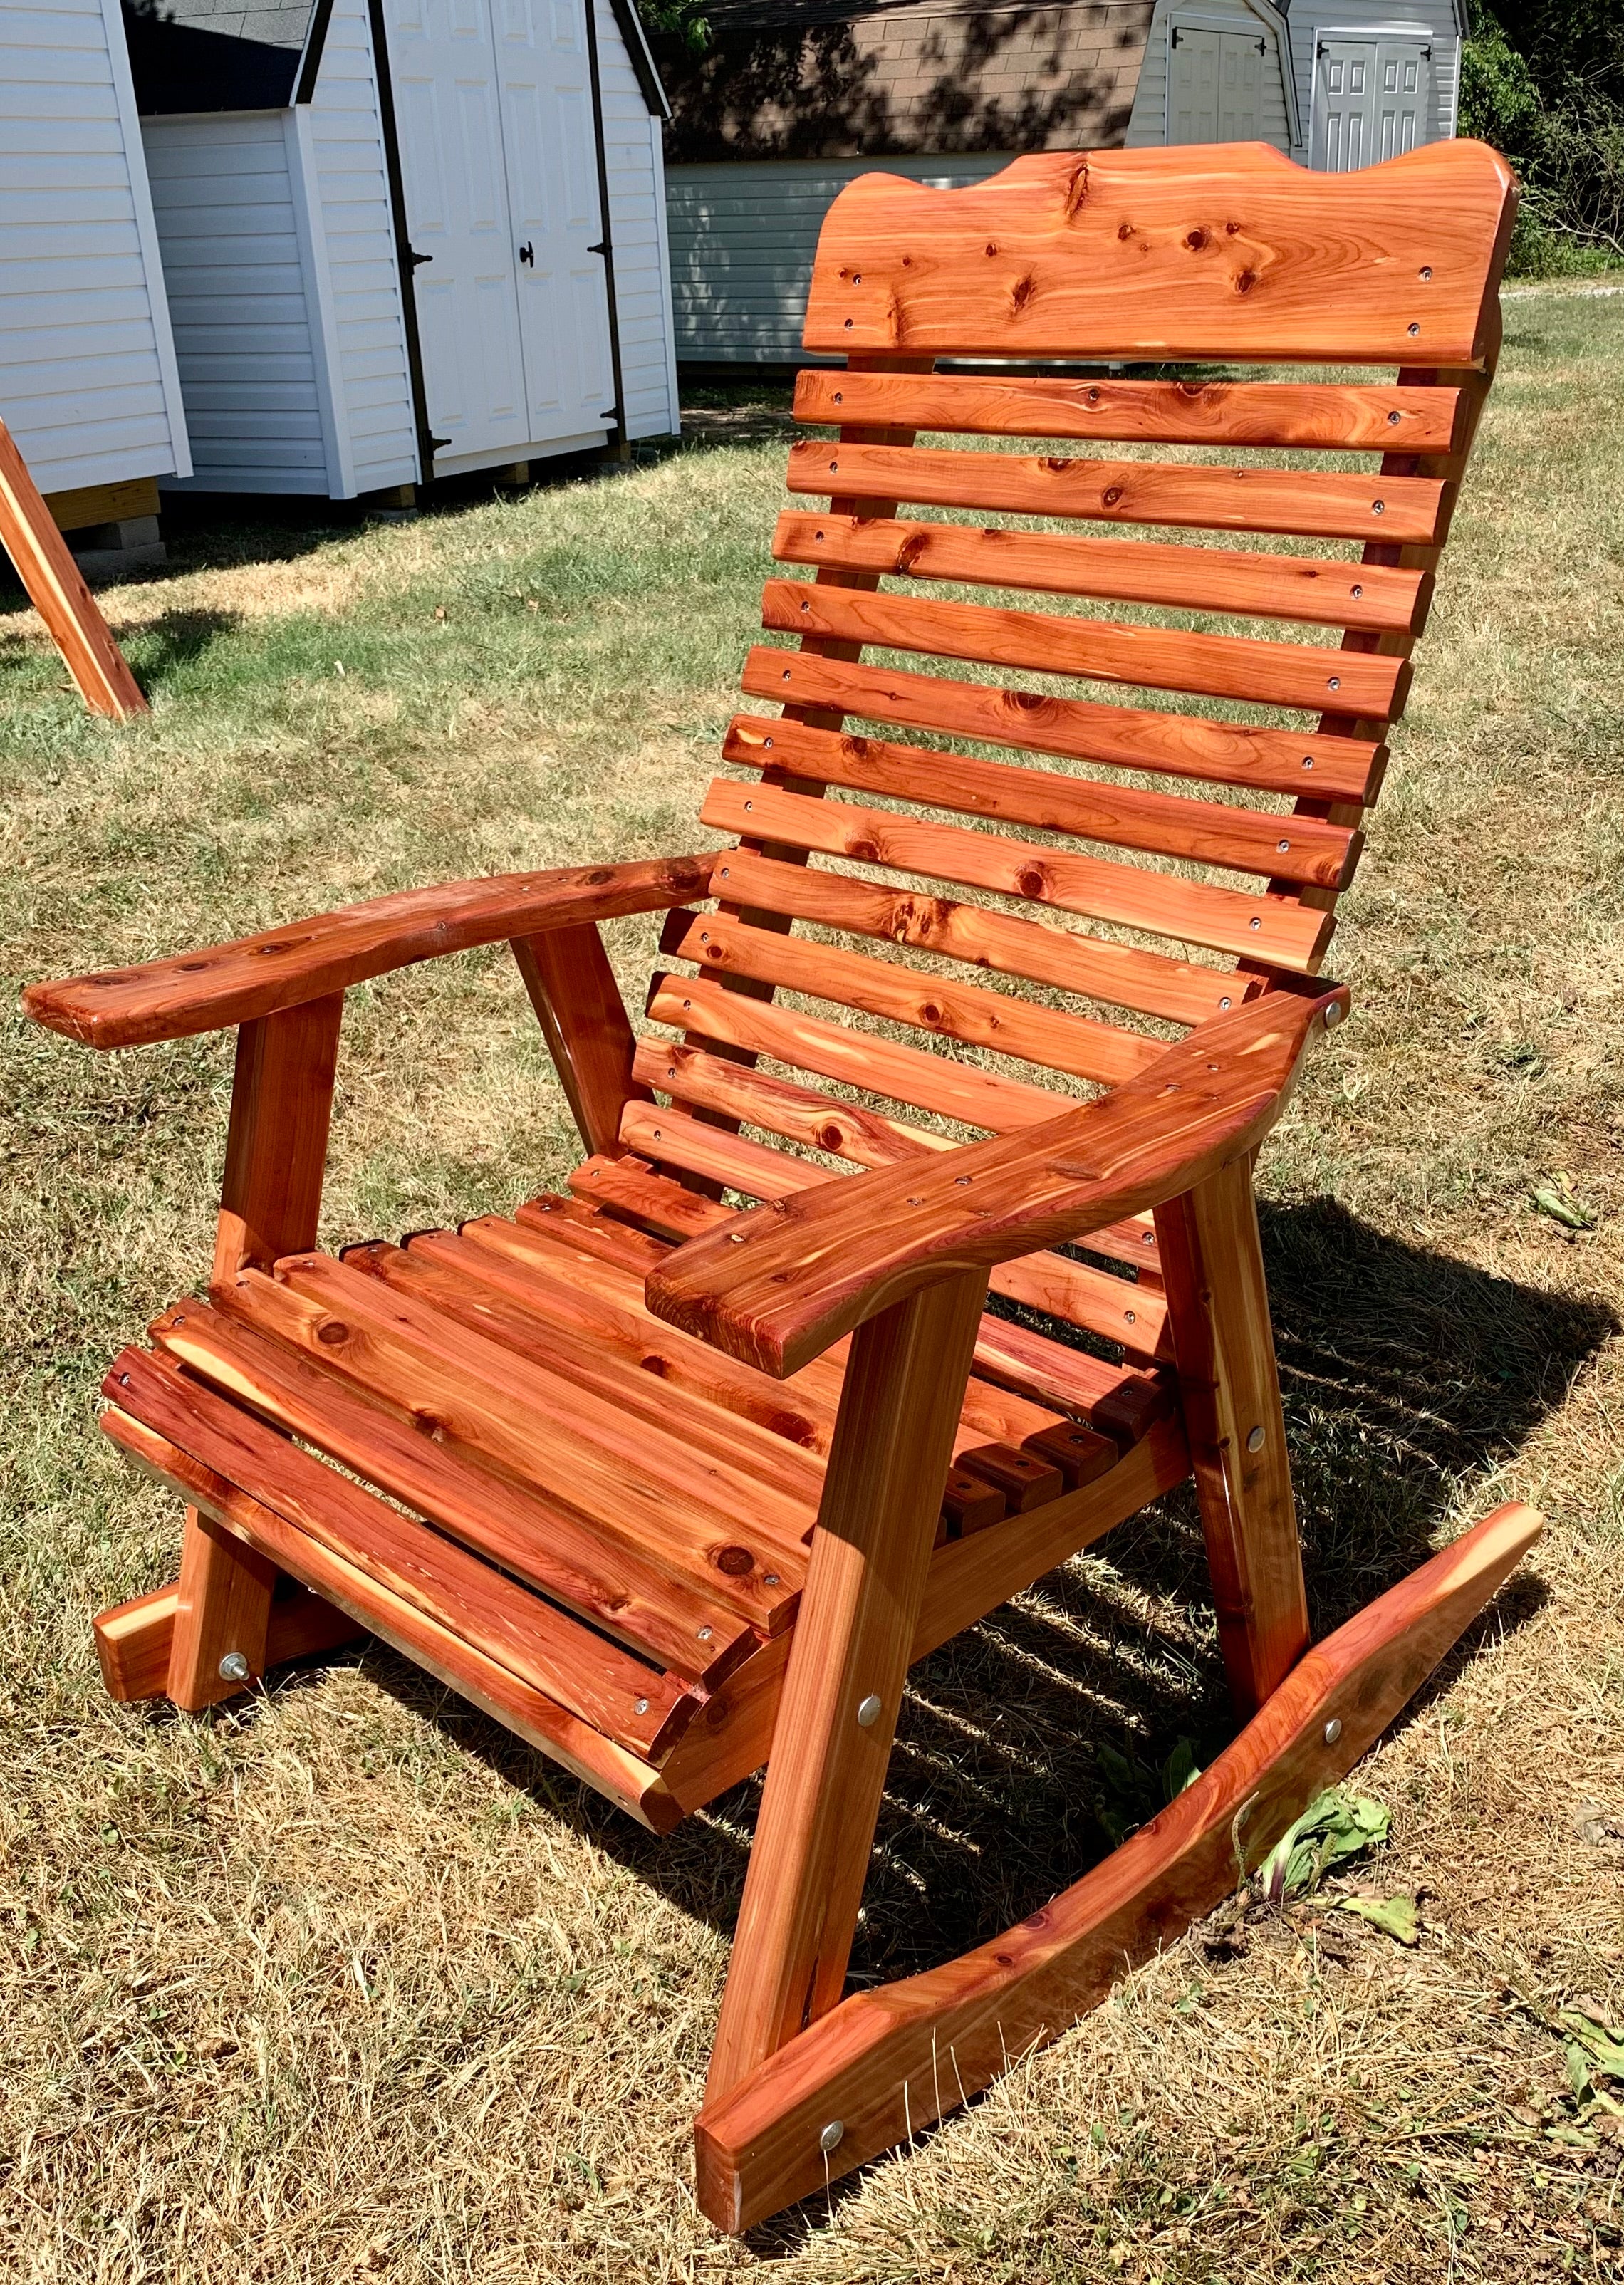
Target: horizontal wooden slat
point(1313, 676)
point(630, 1702)
point(552, 1546)
point(1070, 1290)
point(531, 1714)
point(1376, 598)
point(1124, 817)
point(1220, 254)
point(905, 1075)
point(1276, 929)
point(1395, 510)
point(1321, 415)
point(1049, 1036)
point(1314, 766)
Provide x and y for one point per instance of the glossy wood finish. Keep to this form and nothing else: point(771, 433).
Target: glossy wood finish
point(1219, 1315)
point(275, 1149)
point(776, 1288)
point(1169, 825)
point(843, 1686)
point(223, 1610)
point(1394, 509)
point(1312, 677)
point(133, 1639)
point(1228, 252)
point(1367, 418)
point(1334, 767)
point(233, 983)
point(583, 1019)
point(1314, 589)
point(44, 563)
point(1274, 928)
point(876, 2063)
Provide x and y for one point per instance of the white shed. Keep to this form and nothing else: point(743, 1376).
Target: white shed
point(406, 241)
point(1373, 79)
point(87, 381)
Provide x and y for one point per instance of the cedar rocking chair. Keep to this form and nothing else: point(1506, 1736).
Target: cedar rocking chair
point(674, 1489)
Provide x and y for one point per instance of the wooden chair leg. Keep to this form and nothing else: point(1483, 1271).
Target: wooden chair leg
point(224, 1613)
point(1218, 1310)
point(276, 1152)
point(831, 1743)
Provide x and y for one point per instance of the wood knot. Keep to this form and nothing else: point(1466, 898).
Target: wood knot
point(1195, 240)
point(1020, 293)
point(864, 852)
point(734, 1561)
point(332, 1334)
point(1245, 279)
point(1031, 881)
point(1125, 229)
point(654, 1364)
point(595, 880)
point(991, 247)
point(1111, 495)
point(830, 1138)
point(928, 1012)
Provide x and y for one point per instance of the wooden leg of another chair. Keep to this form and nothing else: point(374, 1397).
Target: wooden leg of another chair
point(224, 1612)
point(848, 1659)
point(1218, 1308)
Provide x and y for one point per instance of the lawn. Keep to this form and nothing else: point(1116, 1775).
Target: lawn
point(345, 1981)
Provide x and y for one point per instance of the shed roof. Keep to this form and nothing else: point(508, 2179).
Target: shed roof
point(217, 55)
point(825, 79)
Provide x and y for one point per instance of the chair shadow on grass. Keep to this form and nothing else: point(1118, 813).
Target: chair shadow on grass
point(1409, 1380)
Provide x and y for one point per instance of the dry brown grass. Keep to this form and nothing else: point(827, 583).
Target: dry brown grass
point(347, 1983)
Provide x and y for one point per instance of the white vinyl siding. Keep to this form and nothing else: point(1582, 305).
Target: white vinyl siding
point(635, 164)
point(1211, 32)
point(88, 384)
point(234, 256)
point(360, 288)
point(1429, 23)
point(742, 237)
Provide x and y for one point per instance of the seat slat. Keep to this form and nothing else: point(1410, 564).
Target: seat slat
point(1376, 598)
point(1059, 1042)
point(1071, 1290)
point(550, 1544)
point(1302, 502)
point(521, 1265)
point(1309, 675)
point(1124, 817)
point(634, 1704)
point(1316, 765)
point(1274, 929)
point(1362, 417)
point(639, 1486)
point(732, 1437)
point(911, 1076)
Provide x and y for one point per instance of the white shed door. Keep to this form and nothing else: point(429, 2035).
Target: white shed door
point(1371, 100)
point(499, 169)
point(1214, 86)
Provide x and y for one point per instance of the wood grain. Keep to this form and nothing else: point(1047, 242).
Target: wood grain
point(1313, 676)
point(889, 2061)
point(583, 1019)
point(44, 563)
point(1394, 509)
point(275, 1149)
point(133, 1639)
point(1230, 252)
point(1316, 590)
point(1333, 766)
point(231, 984)
point(1277, 929)
point(1322, 415)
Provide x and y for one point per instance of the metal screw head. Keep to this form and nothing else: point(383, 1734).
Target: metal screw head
point(234, 1667)
point(833, 2135)
point(869, 1712)
point(1333, 1731)
point(702, 1634)
point(1333, 1014)
point(769, 1579)
point(1254, 1440)
point(641, 1707)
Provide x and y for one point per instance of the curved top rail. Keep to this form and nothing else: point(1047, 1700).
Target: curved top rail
point(1222, 251)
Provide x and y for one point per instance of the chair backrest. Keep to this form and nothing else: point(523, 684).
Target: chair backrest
point(1239, 771)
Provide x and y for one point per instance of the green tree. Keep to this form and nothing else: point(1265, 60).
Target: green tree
point(1543, 81)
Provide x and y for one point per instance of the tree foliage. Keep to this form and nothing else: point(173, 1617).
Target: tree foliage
point(1543, 81)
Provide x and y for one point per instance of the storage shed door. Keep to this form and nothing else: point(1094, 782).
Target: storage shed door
point(499, 168)
point(1215, 85)
point(1372, 98)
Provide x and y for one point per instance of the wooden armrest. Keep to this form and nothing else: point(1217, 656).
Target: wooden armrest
point(233, 983)
point(781, 1282)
